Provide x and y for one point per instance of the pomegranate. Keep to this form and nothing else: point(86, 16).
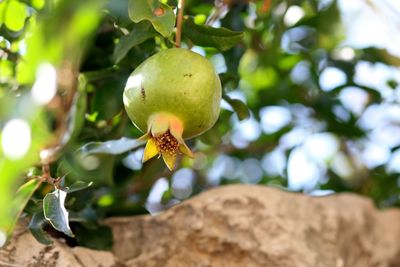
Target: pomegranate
point(173, 95)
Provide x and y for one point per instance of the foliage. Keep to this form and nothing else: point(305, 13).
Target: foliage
point(74, 154)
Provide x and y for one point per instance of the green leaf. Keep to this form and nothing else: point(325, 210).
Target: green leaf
point(113, 147)
point(160, 15)
point(22, 197)
point(211, 137)
point(393, 84)
point(87, 217)
point(38, 4)
point(240, 108)
point(36, 226)
point(6, 69)
point(55, 212)
point(59, 38)
point(140, 33)
point(203, 35)
point(166, 196)
point(99, 238)
point(15, 15)
point(107, 99)
point(77, 186)
point(87, 167)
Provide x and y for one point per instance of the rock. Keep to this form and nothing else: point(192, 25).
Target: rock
point(234, 226)
point(24, 251)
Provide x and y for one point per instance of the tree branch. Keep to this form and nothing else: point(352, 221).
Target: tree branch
point(181, 6)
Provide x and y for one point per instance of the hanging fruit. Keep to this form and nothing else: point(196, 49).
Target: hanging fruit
point(173, 95)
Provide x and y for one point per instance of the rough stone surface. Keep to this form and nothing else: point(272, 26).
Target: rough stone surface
point(24, 251)
point(239, 225)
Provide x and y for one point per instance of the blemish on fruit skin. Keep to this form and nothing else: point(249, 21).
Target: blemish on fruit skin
point(188, 75)
point(143, 93)
point(159, 11)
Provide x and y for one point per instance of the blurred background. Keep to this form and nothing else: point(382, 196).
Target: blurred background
point(311, 104)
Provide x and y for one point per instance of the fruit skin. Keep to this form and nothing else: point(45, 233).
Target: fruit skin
point(176, 81)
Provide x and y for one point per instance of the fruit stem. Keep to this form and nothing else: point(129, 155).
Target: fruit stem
point(181, 5)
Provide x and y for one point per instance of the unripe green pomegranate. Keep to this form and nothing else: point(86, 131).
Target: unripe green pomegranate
point(173, 95)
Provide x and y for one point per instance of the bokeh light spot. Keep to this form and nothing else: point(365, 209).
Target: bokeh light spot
point(3, 238)
point(331, 77)
point(45, 86)
point(273, 118)
point(16, 138)
point(293, 15)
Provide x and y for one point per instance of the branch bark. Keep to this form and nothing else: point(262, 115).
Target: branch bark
point(179, 19)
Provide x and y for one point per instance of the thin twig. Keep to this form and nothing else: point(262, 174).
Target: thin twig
point(46, 176)
point(181, 6)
